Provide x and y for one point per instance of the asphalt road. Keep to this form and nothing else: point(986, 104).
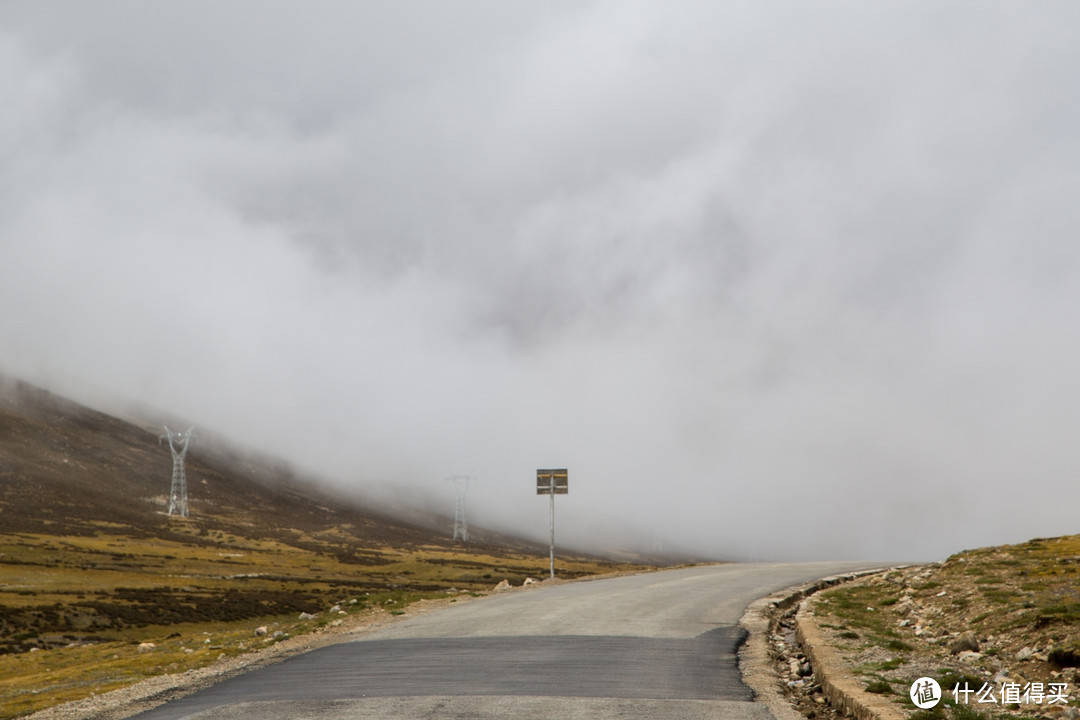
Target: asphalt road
point(658, 645)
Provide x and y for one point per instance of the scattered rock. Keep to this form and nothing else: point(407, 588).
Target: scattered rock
point(966, 641)
point(147, 647)
point(336, 608)
point(1024, 653)
point(968, 656)
point(261, 630)
point(503, 586)
point(307, 616)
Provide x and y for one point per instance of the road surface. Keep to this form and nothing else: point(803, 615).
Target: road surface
point(657, 645)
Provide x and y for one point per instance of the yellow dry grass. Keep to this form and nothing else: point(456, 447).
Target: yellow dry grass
point(76, 608)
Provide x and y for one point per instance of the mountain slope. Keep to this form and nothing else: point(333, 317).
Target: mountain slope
point(66, 469)
point(100, 588)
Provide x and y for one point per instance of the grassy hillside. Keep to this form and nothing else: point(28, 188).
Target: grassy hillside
point(1007, 618)
point(91, 566)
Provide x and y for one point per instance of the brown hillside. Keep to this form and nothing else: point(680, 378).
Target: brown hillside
point(66, 469)
point(100, 588)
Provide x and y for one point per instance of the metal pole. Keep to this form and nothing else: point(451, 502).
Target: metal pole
point(552, 486)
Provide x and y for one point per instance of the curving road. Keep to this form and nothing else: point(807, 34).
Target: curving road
point(658, 645)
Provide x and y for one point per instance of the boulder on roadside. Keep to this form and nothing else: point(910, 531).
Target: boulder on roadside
point(502, 586)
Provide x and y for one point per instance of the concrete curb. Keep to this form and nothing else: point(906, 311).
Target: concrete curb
point(838, 686)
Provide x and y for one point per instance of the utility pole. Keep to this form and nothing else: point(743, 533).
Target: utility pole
point(178, 501)
point(552, 482)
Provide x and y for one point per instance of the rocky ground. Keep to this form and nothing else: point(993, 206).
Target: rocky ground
point(796, 675)
point(1003, 622)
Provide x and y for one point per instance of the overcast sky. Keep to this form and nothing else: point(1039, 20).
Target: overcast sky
point(772, 279)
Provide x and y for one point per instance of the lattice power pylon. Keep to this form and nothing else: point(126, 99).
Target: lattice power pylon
point(178, 503)
point(461, 526)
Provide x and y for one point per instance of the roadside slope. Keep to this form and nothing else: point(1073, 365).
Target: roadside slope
point(1002, 621)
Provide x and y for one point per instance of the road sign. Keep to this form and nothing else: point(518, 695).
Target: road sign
point(545, 484)
point(552, 482)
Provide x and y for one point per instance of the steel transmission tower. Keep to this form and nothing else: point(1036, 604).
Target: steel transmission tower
point(461, 485)
point(178, 503)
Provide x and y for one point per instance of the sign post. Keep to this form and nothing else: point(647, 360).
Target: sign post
point(552, 482)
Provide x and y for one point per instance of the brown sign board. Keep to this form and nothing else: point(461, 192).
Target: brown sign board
point(544, 482)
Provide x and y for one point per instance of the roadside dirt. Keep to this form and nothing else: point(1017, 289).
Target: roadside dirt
point(1002, 622)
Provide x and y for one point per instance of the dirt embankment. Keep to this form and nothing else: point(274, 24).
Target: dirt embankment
point(1002, 622)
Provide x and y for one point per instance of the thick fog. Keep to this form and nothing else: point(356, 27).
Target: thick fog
point(772, 280)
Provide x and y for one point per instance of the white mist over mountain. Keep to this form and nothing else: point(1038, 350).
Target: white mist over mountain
point(791, 280)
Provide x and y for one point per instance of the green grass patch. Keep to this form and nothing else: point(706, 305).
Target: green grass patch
point(879, 687)
point(892, 664)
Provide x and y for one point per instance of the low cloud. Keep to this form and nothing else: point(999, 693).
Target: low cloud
point(772, 281)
